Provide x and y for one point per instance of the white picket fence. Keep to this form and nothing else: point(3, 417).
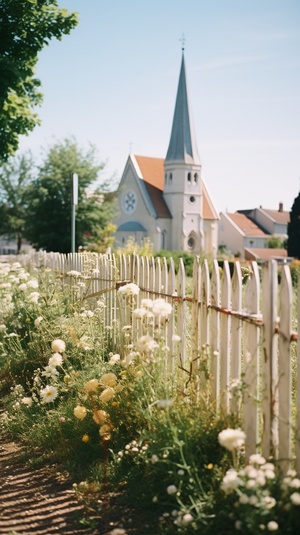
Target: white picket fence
point(234, 333)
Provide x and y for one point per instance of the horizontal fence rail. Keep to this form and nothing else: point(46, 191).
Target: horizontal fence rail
point(234, 335)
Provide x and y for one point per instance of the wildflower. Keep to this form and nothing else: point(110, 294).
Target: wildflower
point(129, 289)
point(256, 458)
point(269, 502)
point(85, 438)
point(80, 412)
point(100, 417)
point(58, 346)
point(164, 403)
point(37, 321)
point(154, 459)
point(187, 519)
point(27, 401)
point(105, 432)
point(147, 303)
point(91, 386)
point(146, 344)
point(295, 483)
point(232, 439)
point(32, 284)
point(231, 481)
point(107, 394)
point(171, 489)
point(139, 313)
point(50, 371)
point(22, 287)
point(55, 360)
point(272, 526)
point(34, 297)
point(295, 498)
point(49, 393)
point(109, 379)
point(114, 359)
point(73, 273)
point(176, 338)
point(161, 308)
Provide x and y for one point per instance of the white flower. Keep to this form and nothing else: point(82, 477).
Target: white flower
point(33, 283)
point(161, 308)
point(37, 321)
point(164, 404)
point(146, 344)
point(295, 483)
point(272, 526)
point(269, 502)
point(147, 303)
point(50, 371)
point(34, 297)
point(114, 359)
point(231, 481)
point(139, 313)
point(117, 531)
point(27, 401)
point(73, 273)
point(107, 394)
point(295, 498)
point(58, 346)
point(22, 287)
point(154, 459)
point(187, 519)
point(232, 439)
point(243, 498)
point(176, 338)
point(129, 289)
point(49, 393)
point(55, 360)
point(171, 489)
point(256, 458)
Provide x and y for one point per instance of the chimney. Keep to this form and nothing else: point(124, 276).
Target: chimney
point(280, 209)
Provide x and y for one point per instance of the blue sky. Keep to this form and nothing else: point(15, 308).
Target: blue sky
point(112, 82)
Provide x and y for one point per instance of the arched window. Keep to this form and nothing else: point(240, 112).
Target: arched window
point(189, 177)
point(170, 178)
point(196, 178)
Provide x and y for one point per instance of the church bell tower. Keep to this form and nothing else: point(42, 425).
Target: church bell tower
point(182, 175)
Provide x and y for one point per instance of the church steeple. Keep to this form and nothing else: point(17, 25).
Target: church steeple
point(182, 146)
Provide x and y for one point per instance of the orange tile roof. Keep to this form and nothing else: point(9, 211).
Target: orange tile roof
point(280, 217)
point(248, 227)
point(152, 170)
point(264, 254)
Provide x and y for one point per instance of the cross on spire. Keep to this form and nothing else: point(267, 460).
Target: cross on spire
point(182, 40)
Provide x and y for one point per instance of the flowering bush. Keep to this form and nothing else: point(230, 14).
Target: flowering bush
point(117, 414)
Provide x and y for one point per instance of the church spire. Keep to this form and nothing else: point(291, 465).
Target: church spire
point(182, 146)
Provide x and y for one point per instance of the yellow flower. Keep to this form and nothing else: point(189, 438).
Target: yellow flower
point(100, 417)
point(105, 432)
point(107, 394)
point(91, 386)
point(109, 379)
point(210, 466)
point(85, 438)
point(80, 412)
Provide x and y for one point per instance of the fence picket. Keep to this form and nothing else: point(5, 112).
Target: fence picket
point(215, 334)
point(225, 337)
point(236, 341)
point(284, 365)
point(251, 363)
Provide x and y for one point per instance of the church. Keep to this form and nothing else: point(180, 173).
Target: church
point(166, 200)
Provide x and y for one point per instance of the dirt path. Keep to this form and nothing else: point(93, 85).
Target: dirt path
point(34, 501)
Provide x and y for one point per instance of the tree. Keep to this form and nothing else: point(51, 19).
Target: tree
point(26, 26)
point(293, 243)
point(48, 215)
point(15, 177)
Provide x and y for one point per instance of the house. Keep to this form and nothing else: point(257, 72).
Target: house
point(166, 200)
point(246, 233)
